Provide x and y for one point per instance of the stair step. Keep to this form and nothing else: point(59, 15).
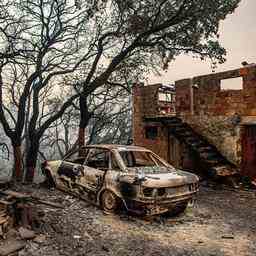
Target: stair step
point(212, 161)
point(224, 170)
point(192, 139)
point(205, 149)
point(209, 155)
point(180, 130)
point(187, 133)
point(197, 144)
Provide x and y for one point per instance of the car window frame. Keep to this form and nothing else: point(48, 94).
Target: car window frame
point(90, 152)
point(70, 154)
point(146, 151)
point(117, 161)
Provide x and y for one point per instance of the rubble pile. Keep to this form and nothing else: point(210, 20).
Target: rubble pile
point(20, 219)
point(6, 218)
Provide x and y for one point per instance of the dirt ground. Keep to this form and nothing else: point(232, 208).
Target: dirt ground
point(222, 222)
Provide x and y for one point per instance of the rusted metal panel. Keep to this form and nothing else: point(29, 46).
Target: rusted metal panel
point(134, 183)
point(249, 151)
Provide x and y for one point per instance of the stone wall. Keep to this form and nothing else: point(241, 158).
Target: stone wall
point(220, 132)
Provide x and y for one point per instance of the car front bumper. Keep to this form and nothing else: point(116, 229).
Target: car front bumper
point(157, 206)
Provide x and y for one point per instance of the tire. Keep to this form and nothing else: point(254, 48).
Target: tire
point(109, 201)
point(177, 210)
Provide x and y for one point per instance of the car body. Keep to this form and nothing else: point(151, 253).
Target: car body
point(133, 177)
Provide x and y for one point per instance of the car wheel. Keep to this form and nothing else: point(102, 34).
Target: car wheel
point(109, 201)
point(177, 210)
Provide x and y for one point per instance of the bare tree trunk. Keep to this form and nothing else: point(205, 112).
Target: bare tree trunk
point(85, 117)
point(81, 137)
point(17, 174)
point(31, 160)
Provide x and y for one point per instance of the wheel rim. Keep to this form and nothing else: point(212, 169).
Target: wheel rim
point(109, 201)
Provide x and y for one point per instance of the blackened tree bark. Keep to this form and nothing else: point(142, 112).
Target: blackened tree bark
point(14, 135)
point(36, 133)
point(112, 39)
point(17, 174)
point(85, 116)
point(31, 158)
point(41, 42)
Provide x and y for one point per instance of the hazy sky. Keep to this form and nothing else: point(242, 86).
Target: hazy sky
point(237, 35)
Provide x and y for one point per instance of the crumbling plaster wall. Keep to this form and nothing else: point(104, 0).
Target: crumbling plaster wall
point(215, 113)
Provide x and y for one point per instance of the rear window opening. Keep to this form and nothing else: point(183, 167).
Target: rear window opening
point(140, 159)
point(166, 94)
point(231, 84)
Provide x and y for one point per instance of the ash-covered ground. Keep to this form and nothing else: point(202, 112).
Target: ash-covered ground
point(222, 222)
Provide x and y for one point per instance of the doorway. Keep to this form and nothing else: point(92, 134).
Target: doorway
point(249, 150)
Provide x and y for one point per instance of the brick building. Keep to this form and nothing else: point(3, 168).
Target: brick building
point(204, 127)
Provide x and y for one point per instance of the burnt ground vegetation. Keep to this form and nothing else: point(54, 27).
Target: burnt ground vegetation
point(222, 222)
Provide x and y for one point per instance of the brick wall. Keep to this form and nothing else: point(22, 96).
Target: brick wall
point(216, 110)
point(145, 105)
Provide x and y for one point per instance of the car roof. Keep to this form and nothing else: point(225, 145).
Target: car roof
point(117, 147)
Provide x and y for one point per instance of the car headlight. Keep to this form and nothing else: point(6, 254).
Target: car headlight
point(148, 192)
point(152, 192)
point(193, 187)
point(141, 176)
point(161, 192)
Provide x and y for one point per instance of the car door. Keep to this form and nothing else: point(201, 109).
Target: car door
point(71, 171)
point(95, 168)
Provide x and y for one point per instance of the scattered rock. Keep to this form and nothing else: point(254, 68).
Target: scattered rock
point(26, 233)
point(40, 239)
point(12, 234)
point(11, 246)
point(105, 248)
point(86, 235)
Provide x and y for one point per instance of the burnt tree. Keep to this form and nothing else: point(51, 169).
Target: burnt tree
point(136, 37)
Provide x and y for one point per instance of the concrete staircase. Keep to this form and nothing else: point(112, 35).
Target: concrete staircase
point(210, 158)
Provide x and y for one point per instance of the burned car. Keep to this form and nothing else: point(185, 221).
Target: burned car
point(115, 176)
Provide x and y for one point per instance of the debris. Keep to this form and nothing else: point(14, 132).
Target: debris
point(88, 236)
point(12, 234)
point(55, 205)
point(11, 247)
point(228, 236)
point(6, 220)
point(30, 198)
point(40, 239)
point(4, 184)
point(26, 233)
point(16, 209)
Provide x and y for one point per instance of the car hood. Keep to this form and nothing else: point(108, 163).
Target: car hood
point(164, 177)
